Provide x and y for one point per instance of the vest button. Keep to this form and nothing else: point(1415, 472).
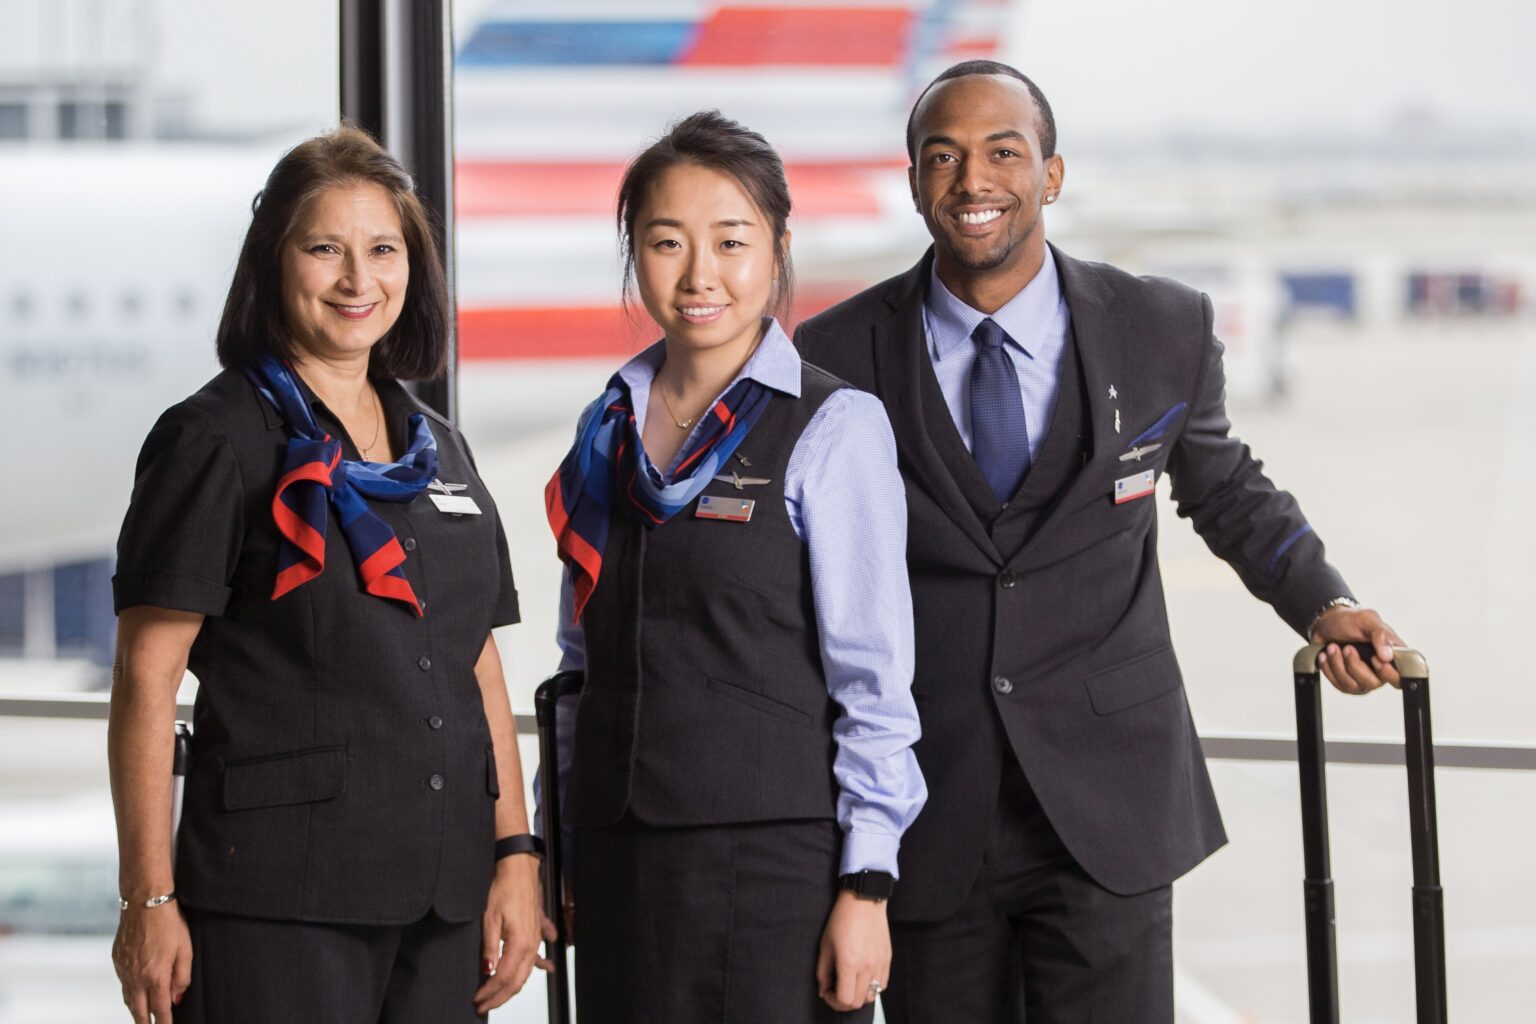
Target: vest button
point(424, 664)
point(434, 722)
point(1002, 684)
point(436, 782)
point(1007, 580)
point(409, 543)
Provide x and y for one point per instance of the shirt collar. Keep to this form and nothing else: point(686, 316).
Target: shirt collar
point(1023, 317)
point(774, 364)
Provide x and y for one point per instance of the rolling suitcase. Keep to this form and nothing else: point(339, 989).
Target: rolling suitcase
point(1428, 905)
point(545, 700)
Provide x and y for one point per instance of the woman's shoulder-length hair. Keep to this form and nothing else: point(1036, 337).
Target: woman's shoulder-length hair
point(253, 326)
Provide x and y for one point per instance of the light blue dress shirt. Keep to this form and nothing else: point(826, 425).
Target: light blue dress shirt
point(1037, 323)
point(846, 501)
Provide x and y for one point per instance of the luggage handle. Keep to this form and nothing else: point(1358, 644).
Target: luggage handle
point(546, 700)
point(1428, 897)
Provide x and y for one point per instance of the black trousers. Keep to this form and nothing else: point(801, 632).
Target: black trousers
point(248, 970)
point(1037, 940)
point(704, 925)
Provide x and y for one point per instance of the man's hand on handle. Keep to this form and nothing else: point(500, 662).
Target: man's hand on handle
point(153, 956)
point(1341, 627)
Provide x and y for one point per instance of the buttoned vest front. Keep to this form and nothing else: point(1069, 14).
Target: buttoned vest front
point(705, 701)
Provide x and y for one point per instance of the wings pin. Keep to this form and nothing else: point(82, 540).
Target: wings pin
point(739, 481)
point(438, 485)
point(1137, 453)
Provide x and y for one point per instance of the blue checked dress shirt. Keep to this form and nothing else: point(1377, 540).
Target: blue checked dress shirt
point(846, 500)
point(1037, 323)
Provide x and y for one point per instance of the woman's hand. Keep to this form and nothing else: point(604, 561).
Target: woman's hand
point(153, 957)
point(855, 953)
point(510, 931)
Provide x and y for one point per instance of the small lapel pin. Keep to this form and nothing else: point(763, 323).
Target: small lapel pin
point(1117, 421)
point(739, 481)
point(1137, 453)
point(743, 460)
point(438, 485)
point(1112, 392)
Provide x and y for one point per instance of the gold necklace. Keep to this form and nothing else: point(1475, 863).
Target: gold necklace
point(682, 424)
point(378, 425)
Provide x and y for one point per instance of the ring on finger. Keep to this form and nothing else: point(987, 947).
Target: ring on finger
point(875, 988)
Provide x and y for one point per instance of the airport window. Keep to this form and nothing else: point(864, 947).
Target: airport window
point(72, 120)
point(77, 304)
point(20, 305)
point(1336, 293)
point(13, 121)
point(12, 613)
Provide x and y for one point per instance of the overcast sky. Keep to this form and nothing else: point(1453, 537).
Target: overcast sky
point(1110, 67)
point(1265, 67)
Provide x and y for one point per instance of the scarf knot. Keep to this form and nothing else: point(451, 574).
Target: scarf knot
point(608, 454)
point(315, 476)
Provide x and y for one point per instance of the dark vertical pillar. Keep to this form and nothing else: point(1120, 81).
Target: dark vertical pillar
point(362, 72)
point(397, 82)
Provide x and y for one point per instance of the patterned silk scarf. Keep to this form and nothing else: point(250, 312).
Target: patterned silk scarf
point(314, 472)
point(608, 453)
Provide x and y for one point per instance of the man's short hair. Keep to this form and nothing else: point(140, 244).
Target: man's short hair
point(989, 67)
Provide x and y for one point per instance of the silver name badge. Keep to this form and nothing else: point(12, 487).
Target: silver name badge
point(1132, 487)
point(729, 510)
point(455, 504)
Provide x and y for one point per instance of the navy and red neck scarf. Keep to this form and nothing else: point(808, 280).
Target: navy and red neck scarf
point(608, 453)
point(314, 472)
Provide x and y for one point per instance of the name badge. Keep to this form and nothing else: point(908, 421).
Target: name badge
point(455, 504)
point(729, 510)
point(1138, 485)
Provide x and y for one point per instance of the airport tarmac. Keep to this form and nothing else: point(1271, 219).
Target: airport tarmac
point(1410, 452)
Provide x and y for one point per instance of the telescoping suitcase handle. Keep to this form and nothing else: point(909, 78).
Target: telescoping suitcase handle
point(545, 701)
point(1428, 902)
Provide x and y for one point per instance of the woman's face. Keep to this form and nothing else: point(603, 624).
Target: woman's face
point(344, 272)
point(704, 258)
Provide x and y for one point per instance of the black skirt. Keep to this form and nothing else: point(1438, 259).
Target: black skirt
point(704, 925)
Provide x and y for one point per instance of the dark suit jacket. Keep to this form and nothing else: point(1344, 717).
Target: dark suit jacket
point(1053, 643)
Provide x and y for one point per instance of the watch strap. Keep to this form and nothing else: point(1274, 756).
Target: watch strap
point(524, 843)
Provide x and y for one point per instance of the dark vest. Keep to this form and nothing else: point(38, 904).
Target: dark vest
point(1055, 466)
point(705, 700)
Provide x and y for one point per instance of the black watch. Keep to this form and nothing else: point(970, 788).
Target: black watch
point(869, 885)
point(525, 843)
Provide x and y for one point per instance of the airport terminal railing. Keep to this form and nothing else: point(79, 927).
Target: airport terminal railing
point(1230, 746)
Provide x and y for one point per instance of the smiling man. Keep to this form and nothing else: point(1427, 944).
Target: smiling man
point(1036, 401)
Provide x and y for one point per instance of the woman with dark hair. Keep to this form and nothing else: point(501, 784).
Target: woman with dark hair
point(317, 548)
point(732, 523)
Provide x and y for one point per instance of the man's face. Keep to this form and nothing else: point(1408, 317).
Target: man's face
point(979, 179)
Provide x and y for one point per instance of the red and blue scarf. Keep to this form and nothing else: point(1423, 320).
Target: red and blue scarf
point(608, 453)
point(314, 473)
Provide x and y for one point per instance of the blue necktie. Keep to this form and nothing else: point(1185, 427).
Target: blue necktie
point(999, 432)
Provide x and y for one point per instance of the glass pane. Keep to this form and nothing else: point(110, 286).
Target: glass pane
point(135, 135)
point(1239, 944)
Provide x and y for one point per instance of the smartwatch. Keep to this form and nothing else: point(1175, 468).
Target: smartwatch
point(869, 885)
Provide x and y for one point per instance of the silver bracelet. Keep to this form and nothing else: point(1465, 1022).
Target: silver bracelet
point(149, 904)
point(1338, 602)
